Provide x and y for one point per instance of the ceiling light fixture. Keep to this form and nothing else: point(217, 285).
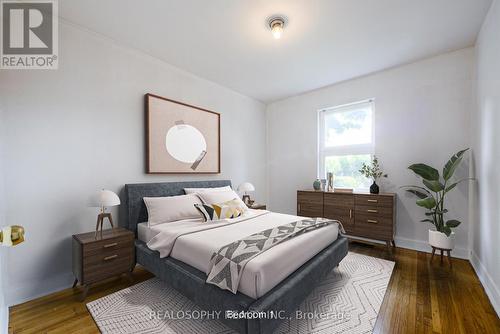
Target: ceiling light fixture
point(277, 23)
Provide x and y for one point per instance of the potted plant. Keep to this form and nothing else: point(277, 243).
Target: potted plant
point(432, 197)
point(373, 172)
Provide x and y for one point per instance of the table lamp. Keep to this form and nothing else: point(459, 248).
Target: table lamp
point(103, 199)
point(246, 187)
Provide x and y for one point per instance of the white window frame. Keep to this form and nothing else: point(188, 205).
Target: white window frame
point(355, 149)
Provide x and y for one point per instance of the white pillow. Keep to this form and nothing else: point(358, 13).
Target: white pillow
point(172, 208)
point(214, 197)
point(204, 190)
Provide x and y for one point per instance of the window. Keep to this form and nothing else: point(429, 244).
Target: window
point(346, 140)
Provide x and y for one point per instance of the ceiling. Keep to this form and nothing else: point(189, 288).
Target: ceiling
point(324, 42)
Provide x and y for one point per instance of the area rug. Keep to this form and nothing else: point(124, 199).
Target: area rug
point(347, 301)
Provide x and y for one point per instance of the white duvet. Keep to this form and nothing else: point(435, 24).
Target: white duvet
point(193, 242)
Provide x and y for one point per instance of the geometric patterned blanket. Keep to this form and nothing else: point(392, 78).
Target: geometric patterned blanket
point(227, 264)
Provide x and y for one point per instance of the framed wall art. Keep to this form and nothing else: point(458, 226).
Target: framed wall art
point(181, 138)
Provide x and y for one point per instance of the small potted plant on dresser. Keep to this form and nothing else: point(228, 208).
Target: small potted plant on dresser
point(432, 197)
point(373, 172)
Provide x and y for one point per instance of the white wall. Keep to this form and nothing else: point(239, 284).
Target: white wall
point(422, 115)
point(80, 128)
point(486, 144)
point(4, 311)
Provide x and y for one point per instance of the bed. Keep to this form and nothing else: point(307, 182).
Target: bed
point(275, 290)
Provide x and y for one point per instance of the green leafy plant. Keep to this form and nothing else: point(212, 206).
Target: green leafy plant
point(432, 195)
point(372, 171)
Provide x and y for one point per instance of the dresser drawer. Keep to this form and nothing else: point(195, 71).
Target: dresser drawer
point(309, 210)
point(374, 211)
point(374, 200)
point(340, 207)
point(342, 200)
point(310, 197)
point(344, 215)
point(368, 232)
point(380, 228)
point(373, 220)
point(101, 246)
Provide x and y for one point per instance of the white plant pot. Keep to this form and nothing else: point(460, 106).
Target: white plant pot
point(440, 240)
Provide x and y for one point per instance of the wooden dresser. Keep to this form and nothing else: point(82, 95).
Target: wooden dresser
point(362, 214)
point(98, 257)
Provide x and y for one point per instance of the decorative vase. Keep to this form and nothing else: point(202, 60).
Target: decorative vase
point(317, 185)
point(330, 181)
point(440, 240)
point(323, 184)
point(374, 189)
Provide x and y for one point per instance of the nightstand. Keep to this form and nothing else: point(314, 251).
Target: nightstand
point(258, 206)
point(95, 258)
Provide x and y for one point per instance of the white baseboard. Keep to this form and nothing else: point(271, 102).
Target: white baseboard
point(4, 319)
point(38, 289)
point(423, 246)
point(419, 245)
point(492, 291)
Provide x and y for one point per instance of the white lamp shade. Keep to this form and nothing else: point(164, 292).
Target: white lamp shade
point(246, 186)
point(104, 198)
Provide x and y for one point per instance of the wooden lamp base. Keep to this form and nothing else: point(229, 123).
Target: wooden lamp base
point(247, 200)
point(100, 221)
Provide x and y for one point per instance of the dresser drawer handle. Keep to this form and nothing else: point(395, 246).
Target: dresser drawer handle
point(372, 211)
point(111, 257)
point(373, 201)
point(372, 221)
point(110, 245)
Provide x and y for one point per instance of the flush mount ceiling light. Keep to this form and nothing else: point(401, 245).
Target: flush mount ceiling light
point(276, 24)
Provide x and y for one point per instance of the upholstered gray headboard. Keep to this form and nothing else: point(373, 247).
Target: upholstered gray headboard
point(136, 212)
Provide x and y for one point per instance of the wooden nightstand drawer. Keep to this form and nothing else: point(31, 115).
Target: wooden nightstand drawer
point(107, 255)
point(107, 267)
point(108, 245)
point(374, 200)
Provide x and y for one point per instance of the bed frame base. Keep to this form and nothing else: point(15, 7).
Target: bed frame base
point(282, 300)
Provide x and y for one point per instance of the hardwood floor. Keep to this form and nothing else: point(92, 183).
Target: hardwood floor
point(425, 297)
point(62, 312)
point(422, 297)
